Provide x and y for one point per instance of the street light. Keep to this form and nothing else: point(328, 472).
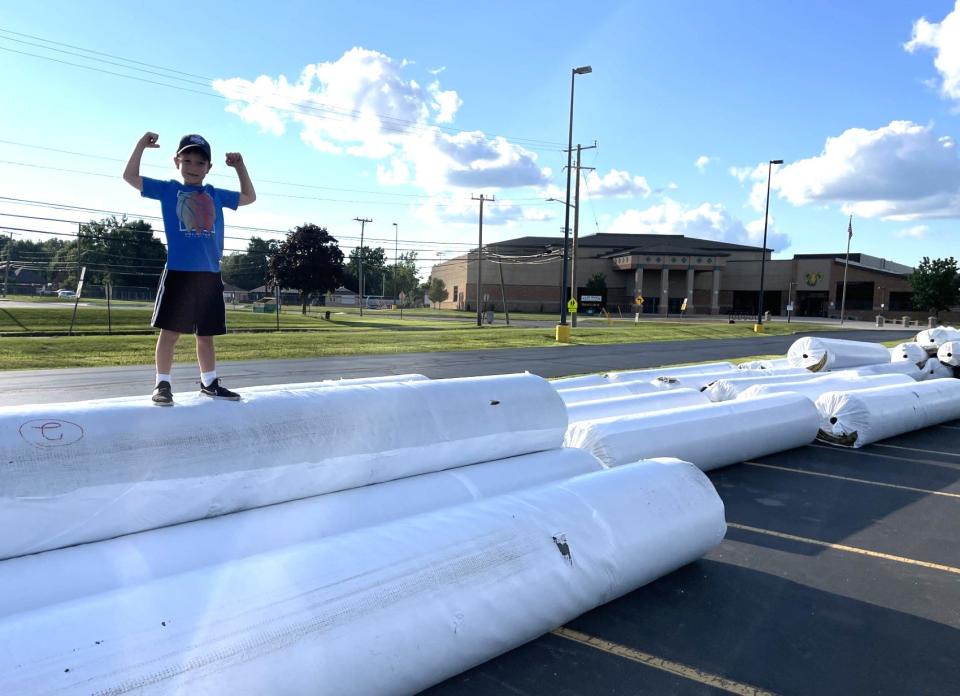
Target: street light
point(583, 70)
point(396, 260)
point(763, 252)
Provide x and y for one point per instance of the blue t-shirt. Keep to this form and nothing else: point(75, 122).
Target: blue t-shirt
point(192, 221)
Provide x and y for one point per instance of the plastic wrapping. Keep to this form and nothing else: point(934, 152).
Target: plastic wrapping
point(630, 405)
point(931, 339)
point(606, 391)
point(730, 387)
point(693, 381)
point(579, 382)
point(901, 367)
point(817, 354)
point(88, 471)
point(855, 419)
point(774, 364)
point(653, 373)
point(909, 352)
point(934, 369)
point(389, 609)
point(949, 353)
point(814, 388)
point(710, 436)
point(31, 582)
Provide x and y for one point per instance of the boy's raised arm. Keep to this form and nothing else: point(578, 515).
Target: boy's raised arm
point(247, 194)
point(132, 173)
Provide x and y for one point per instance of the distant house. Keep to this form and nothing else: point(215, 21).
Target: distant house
point(20, 275)
point(232, 294)
point(342, 297)
point(288, 296)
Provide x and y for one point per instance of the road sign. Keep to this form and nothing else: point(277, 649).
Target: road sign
point(790, 307)
point(639, 299)
point(572, 305)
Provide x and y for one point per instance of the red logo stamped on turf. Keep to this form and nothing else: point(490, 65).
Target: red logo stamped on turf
point(50, 432)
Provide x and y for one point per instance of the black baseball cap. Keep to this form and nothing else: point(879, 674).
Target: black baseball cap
point(195, 141)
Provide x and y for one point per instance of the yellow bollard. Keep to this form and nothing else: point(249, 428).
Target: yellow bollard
point(563, 333)
point(758, 328)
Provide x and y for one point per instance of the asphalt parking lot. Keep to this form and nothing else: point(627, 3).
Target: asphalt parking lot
point(840, 574)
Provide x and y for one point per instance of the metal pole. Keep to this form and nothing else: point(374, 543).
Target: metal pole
point(363, 222)
point(566, 212)
point(503, 294)
point(276, 294)
point(396, 259)
point(576, 231)
point(789, 301)
point(6, 273)
point(79, 226)
point(109, 320)
point(763, 255)
point(846, 265)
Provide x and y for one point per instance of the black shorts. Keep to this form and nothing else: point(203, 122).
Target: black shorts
point(190, 302)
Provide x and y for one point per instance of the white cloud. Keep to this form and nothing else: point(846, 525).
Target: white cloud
point(706, 221)
point(363, 105)
point(701, 163)
point(672, 186)
point(756, 173)
point(902, 171)
point(944, 38)
point(915, 232)
point(616, 183)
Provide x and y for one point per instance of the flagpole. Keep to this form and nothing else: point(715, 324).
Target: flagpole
point(846, 265)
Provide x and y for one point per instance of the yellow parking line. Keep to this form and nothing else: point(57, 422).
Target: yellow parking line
point(855, 480)
point(848, 450)
point(849, 549)
point(675, 668)
point(915, 449)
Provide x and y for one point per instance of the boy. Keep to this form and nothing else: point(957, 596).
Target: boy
point(190, 296)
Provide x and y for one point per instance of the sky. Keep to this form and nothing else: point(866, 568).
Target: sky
point(405, 113)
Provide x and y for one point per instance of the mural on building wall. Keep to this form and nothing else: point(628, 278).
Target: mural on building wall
point(812, 279)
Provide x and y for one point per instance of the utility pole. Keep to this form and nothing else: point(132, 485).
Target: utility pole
point(480, 256)
point(6, 273)
point(363, 222)
point(846, 265)
point(79, 226)
point(576, 231)
point(396, 259)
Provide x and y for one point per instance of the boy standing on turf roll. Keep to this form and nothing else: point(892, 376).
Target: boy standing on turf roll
point(190, 295)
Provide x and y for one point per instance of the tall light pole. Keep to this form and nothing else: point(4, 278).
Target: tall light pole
point(396, 258)
point(583, 70)
point(758, 327)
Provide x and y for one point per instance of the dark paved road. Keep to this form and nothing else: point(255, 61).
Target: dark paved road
point(46, 386)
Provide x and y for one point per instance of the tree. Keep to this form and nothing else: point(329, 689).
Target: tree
point(309, 260)
point(248, 269)
point(936, 284)
point(438, 291)
point(120, 251)
point(403, 277)
point(597, 284)
point(374, 266)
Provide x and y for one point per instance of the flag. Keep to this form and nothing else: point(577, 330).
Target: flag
point(850, 228)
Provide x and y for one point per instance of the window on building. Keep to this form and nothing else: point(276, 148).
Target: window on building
point(456, 293)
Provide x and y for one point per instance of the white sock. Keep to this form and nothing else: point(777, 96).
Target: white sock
point(206, 378)
point(163, 378)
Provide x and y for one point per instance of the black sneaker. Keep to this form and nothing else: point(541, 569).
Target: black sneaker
point(215, 391)
point(163, 394)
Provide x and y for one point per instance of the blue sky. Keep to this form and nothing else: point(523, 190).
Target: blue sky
point(401, 112)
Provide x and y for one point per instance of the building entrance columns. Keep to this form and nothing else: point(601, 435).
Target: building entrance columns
point(690, 273)
point(664, 291)
point(638, 281)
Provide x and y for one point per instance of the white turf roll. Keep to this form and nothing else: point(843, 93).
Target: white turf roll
point(932, 339)
point(389, 609)
point(90, 471)
point(31, 582)
point(654, 372)
point(774, 364)
point(710, 436)
point(606, 391)
point(634, 404)
point(817, 354)
point(934, 369)
point(579, 382)
point(909, 352)
point(730, 387)
point(693, 381)
point(858, 418)
point(900, 367)
point(837, 381)
point(949, 353)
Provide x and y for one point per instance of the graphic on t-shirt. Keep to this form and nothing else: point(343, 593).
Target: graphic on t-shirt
point(197, 213)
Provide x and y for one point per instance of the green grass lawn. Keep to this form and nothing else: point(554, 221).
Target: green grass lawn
point(349, 335)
